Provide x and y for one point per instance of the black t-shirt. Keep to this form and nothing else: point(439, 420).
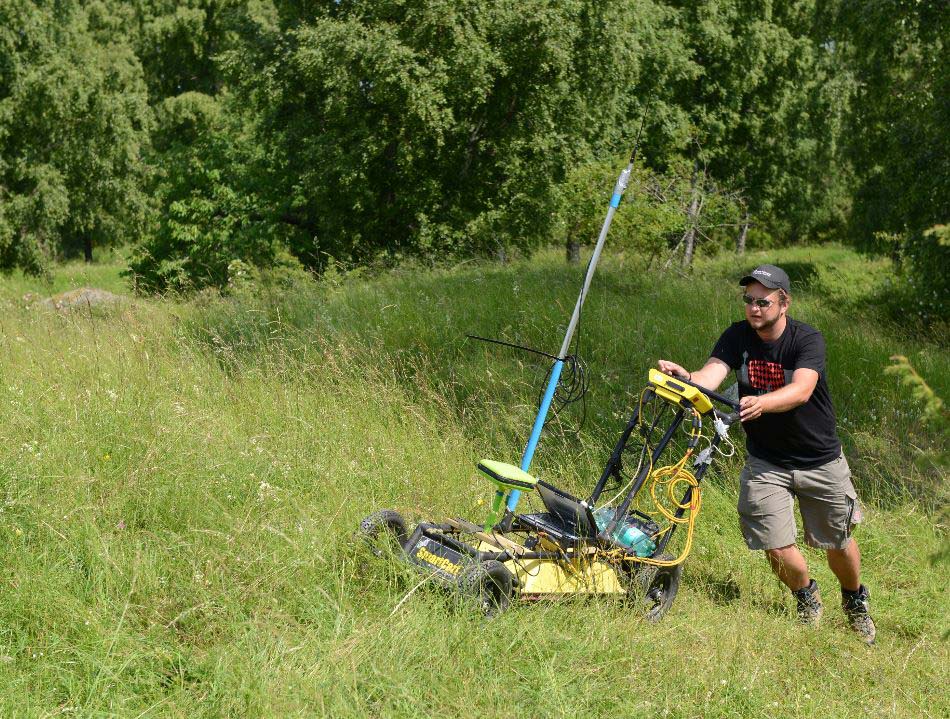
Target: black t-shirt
point(804, 437)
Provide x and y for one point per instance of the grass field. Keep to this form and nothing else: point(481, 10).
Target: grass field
point(182, 478)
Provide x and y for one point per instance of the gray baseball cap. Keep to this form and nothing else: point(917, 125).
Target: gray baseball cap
point(769, 275)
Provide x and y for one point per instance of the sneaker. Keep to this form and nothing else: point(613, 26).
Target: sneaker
point(856, 609)
point(809, 604)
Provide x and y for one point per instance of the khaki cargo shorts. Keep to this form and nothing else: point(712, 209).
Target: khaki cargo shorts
point(826, 499)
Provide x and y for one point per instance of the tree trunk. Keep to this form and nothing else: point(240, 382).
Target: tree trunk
point(573, 251)
point(740, 242)
point(87, 248)
point(692, 219)
point(501, 254)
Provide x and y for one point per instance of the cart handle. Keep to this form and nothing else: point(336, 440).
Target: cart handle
point(722, 399)
point(727, 417)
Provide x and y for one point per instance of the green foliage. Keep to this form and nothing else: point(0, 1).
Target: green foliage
point(897, 135)
point(925, 258)
point(432, 128)
point(766, 108)
point(374, 131)
point(920, 291)
point(212, 215)
point(653, 217)
point(177, 42)
point(582, 204)
point(73, 124)
point(934, 413)
point(933, 407)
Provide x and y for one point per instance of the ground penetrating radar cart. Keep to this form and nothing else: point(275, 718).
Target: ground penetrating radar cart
point(617, 545)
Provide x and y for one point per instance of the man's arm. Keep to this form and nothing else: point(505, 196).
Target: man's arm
point(710, 376)
point(792, 395)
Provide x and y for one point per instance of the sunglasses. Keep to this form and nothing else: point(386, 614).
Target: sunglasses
point(762, 304)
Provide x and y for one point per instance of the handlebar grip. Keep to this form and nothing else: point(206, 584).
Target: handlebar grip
point(728, 418)
point(709, 393)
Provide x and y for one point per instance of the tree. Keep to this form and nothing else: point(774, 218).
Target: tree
point(899, 132)
point(898, 138)
point(211, 213)
point(765, 110)
point(661, 212)
point(73, 122)
point(176, 41)
point(431, 127)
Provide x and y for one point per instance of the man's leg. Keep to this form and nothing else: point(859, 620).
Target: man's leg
point(789, 565)
point(830, 509)
point(766, 514)
point(846, 564)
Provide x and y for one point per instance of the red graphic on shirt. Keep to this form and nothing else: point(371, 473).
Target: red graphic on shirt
point(766, 375)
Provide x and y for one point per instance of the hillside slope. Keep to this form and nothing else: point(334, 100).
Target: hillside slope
point(181, 482)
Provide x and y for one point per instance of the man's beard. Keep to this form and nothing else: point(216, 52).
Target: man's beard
point(766, 324)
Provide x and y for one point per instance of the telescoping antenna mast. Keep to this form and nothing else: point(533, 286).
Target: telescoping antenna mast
point(619, 189)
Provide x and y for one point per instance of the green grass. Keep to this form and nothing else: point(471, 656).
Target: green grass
point(181, 481)
point(67, 276)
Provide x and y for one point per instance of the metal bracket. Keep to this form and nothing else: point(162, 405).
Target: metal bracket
point(722, 429)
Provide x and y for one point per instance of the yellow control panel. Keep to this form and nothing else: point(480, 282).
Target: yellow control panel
point(679, 392)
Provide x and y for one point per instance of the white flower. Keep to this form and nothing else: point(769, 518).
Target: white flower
point(265, 491)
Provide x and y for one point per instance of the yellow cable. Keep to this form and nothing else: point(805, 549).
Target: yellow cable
point(677, 474)
point(672, 476)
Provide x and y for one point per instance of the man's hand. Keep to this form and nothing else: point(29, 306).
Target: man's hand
point(792, 395)
point(751, 407)
point(671, 368)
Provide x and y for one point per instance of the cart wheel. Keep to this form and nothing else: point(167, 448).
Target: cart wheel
point(384, 531)
point(489, 584)
point(656, 587)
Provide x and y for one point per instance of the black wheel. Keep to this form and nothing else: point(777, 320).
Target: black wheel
point(654, 588)
point(489, 585)
point(384, 532)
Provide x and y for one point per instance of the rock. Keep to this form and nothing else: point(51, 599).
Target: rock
point(80, 298)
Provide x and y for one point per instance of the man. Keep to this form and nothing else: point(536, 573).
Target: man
point(793, 446)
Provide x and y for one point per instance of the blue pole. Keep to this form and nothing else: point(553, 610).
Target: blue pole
point(575, 318)
point(538, 426)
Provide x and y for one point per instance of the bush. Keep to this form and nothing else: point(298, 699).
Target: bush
point(921, 291)
point(213, 216)
point(654, 215)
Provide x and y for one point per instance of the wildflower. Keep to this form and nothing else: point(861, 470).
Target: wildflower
point(265, 491)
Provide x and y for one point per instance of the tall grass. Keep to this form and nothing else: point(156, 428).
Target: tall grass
point(181, 481)
point(633, 317)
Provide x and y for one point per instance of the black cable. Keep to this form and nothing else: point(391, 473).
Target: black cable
point(573, 382)
point(572, 387)
point(514, 346)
